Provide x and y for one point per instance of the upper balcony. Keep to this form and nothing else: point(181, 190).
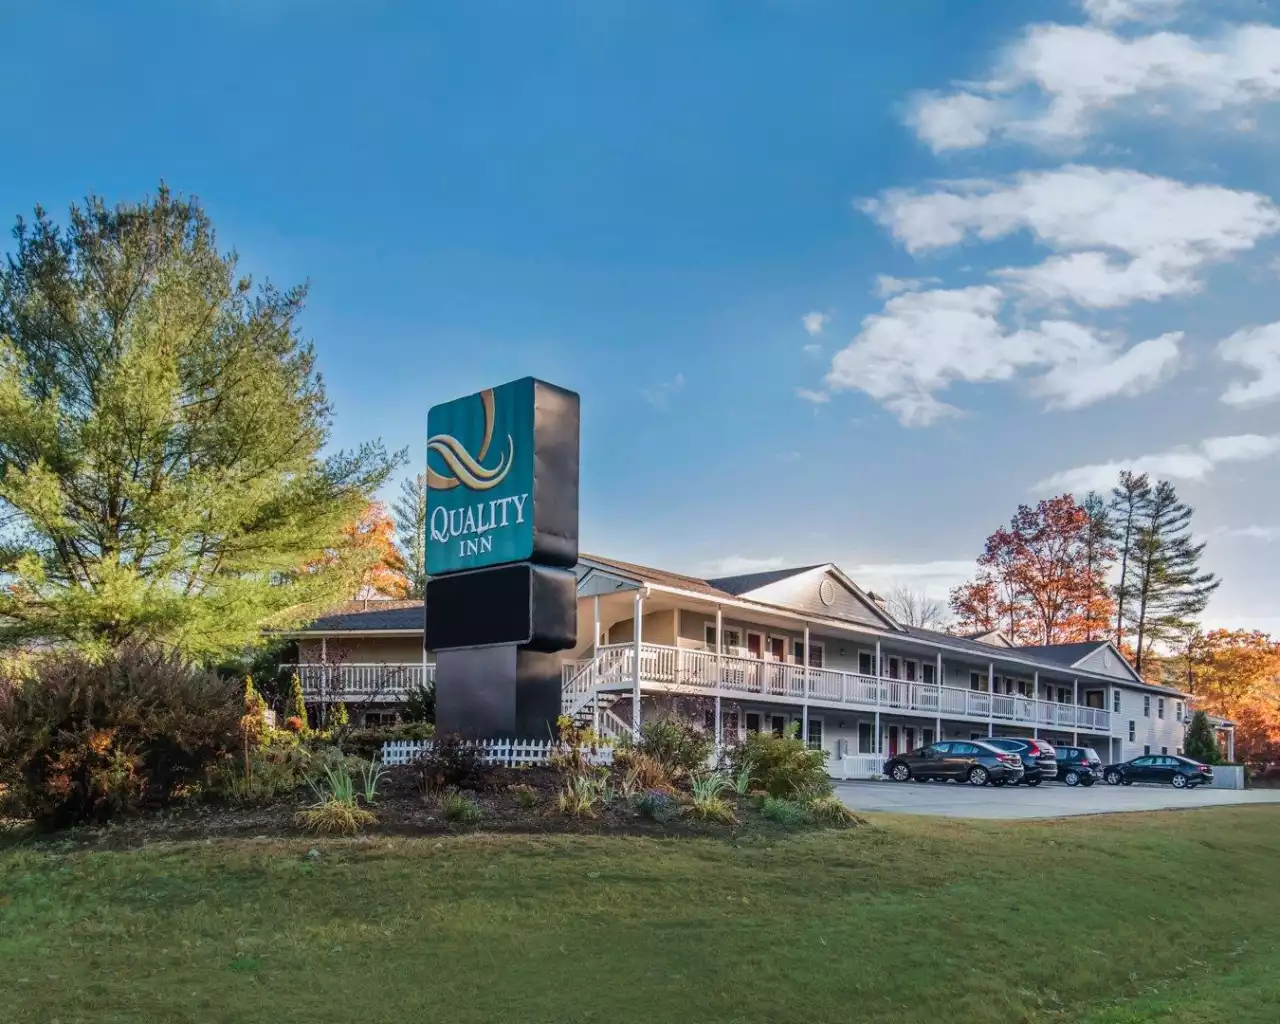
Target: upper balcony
point(680, 670)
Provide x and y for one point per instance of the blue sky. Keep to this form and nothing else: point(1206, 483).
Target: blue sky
point(836, 280)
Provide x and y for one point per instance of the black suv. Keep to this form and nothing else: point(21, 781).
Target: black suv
point(1079, 766)
point(1039, 760)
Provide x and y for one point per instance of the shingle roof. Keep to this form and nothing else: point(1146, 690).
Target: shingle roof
point(1063, 654)
point(660, 576)
point(368, 616)
point(747, 582)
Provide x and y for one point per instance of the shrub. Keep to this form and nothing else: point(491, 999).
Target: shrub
point(576, 747)
point(295, 724)
point(460, 808)
point(655, 805)
point(420, 704)
point(83, 741)
point(275, 769)
point(339, 717)
point(675, 744)
point(451, 763)
point(297, 702)
point(831, 811)
point(708, 803)
point(787, 813)
point(372, 774)
point(367, 743)
point(782, 766)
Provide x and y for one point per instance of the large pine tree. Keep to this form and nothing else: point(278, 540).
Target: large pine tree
point(161, 436)
point(410, 512)
point(1130, 499)
point(1169, 589)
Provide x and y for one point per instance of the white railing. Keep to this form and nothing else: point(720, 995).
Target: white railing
point(856, 766)
point(504, 753)
point(361, 681)
point(731, 675)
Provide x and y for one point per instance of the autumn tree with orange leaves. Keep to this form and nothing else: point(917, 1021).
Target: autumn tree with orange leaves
point(1043, 579)
point(1235, 674)
point(373, 536)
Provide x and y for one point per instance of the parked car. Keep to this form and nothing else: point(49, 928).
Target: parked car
point(1039, 759)
point(972, 761)
point(1079, 766)
point(1180, 772)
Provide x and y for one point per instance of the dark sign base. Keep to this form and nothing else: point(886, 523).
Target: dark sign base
point(498, 693)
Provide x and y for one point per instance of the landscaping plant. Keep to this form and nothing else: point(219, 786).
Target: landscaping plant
point(85, 741)
point(297, 702)
point(372, 774)
point(787, 813)
point(782, 766)
point(582, 795)
point(676, 744)
point(708, 803)
point(641, 772)
point(1201, 744)
point(830, 810)
point(460, 808)
point(655, 805)
point(336, 810)
point(451, 763)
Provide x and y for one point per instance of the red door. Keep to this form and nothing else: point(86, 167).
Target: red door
point(893, 740)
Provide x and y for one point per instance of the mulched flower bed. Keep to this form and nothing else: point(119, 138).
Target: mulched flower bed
point(402, 810)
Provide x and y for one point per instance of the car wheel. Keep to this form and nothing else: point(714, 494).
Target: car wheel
point(1072, 778)
point(1114, 778)
point(1088, 781)
point(978, 776)
point(1179, 782)
point(900, 773)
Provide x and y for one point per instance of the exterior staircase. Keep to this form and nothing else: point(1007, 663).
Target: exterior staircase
point(583, 700)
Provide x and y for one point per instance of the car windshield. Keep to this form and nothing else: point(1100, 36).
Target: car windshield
point(1089, 754)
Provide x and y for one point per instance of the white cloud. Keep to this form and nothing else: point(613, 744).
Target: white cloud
point(922, 342)
point(813, 350)
point(1256, 349)
point(814, 323)
point(1192, 463)
point(1048, 88)
point(1265, 533)
point(739, 565)
point(934, 578)
point(816, 397)
point(660, 395)
point(1168, 230)
point(887, 287)
point(1111, 12)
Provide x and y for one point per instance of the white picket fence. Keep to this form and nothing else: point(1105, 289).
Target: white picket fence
point(502, 753)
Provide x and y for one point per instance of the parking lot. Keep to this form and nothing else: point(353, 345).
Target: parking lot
point(1051, 800)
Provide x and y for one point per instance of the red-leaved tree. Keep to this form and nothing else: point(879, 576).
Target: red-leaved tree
point(1043, 578)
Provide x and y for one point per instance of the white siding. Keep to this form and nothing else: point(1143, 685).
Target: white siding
point(1152, 731)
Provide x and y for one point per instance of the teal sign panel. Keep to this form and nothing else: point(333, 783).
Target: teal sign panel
point(480, 459)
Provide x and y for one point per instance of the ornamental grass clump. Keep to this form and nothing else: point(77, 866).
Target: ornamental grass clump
point(708, 803)
point(336, 810)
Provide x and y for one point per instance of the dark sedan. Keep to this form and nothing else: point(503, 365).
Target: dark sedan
point(974, 762)
point(1039, 760)
point(1079, 766)
point(1179, 772)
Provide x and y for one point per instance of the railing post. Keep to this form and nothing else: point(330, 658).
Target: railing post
point(635, 668)
point(1075, 736)
point(991, 698)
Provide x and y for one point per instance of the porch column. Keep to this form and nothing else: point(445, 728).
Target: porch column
point(876, 672)
point(324, 680)
point(1075, 714)
point(719, 647)
point(719, 728)
point(804, 714)
point(937, 734)
point(991, 698)
point(635, 667)
point(1035, 703)
point(595, 637)
point(879, 744)
point(1231, 744)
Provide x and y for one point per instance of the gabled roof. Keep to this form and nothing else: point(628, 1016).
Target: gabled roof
point(743, 584)
point(991, 637)
point(1064, 654)
point(660, 576)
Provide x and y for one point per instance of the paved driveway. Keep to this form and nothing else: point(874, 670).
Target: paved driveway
point(1050, 800)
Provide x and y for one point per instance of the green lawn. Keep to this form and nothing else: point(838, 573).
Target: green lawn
point(1113, 920)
